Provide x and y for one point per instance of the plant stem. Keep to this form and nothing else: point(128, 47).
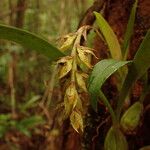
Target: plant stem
point(130, 79)
point(49, 90)
point(107, 104)
point(73, 54)
point(52, 84)
point(11, 85)
point(146, 90)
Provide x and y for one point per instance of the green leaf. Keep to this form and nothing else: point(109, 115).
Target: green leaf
point(131, 117)
point(31, 103)
point(101, 72)
point(3, 130)
point(28, 123)
point(4, 117)
point(109, 36)
point(141, 61)
point(140, 65)
point(129, 30)
point(31, 122)
point(24, 130)
point(115, 140)
point(30, 40)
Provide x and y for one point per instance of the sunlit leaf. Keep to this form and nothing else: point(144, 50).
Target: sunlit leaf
point(30, 40)
point(129, 31)
point(109, 36)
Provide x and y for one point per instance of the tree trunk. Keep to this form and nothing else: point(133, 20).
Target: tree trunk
point(117, 14)
point(21, 6)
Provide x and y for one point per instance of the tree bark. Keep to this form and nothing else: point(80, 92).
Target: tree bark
point(117, 14)
point(21, 6)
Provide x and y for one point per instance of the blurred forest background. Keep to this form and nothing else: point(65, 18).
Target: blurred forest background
point(24, 74)
point(30, 114)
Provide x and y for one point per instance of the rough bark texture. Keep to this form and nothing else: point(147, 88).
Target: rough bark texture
point(117, 14)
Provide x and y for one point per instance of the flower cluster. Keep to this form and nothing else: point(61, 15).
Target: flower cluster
point(73, 70)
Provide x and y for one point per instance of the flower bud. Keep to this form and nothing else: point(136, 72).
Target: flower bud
point(77, 121)
point(69, 39)
point(81, 81)
point(67, 66)
point(70, 99)
point(84, 56)
point(115, 140)
point(131, 118)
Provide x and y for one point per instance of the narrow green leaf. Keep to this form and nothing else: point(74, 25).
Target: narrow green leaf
point(101, 72)
point(28, 123)
point(24, 130)
point(146, 90)
point(31, 122)
point(109, 36)
point(31, 103)
point(30, 40)
point(141, 60)
point(141, 63)
point(129, 30)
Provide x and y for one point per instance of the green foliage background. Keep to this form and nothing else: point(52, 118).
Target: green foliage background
point(24, 74)
point(49, 19)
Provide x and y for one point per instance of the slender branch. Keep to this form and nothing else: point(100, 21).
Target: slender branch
point(51, 84)
point(107, 104)
point(11, 85)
